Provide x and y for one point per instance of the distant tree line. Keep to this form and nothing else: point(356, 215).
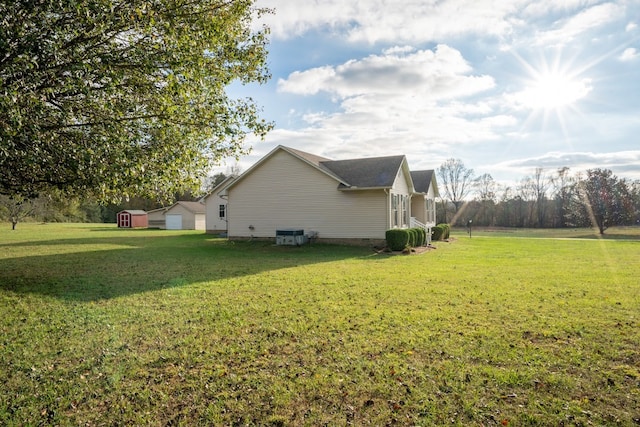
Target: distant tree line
point(58, 206)
point(593, 198)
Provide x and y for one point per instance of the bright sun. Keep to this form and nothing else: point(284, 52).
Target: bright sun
point(552, 85)
point(553, 91)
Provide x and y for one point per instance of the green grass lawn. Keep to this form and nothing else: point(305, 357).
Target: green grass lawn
point(148, 327)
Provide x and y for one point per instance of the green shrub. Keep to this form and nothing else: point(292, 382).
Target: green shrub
point(446, 231)
point(397, 239)
point(413, 237)
point(437, 232)
point(420, 236)
point(423, 236)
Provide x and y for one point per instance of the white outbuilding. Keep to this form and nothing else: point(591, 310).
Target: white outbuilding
point(185, 216)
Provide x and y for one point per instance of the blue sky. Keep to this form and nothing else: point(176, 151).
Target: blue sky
point(504, 85)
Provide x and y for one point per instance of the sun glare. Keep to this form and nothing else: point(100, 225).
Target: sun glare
point(552, 86)
point(552, 91)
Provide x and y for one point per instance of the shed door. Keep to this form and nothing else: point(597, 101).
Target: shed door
point(125, 220)
point(173, 222)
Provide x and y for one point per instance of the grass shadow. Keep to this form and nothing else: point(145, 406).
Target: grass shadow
point(112, 265)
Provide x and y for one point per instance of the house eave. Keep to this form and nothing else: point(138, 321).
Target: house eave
point(354, 188)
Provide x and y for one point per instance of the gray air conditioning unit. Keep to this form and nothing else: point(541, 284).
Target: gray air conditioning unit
point(290, 236)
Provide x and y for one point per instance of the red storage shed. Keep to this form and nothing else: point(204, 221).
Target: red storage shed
point(132, 219)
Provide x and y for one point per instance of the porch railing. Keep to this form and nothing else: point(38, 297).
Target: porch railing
point(417, 224)
point(414, 223)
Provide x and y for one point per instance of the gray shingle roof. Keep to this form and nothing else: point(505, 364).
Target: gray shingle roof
point(422, 180)
point(366, 173)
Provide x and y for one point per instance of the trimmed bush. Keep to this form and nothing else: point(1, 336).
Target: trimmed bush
point(419, 236)
point(440, 231)
point(422, 236)
point(437, 232)
point(397, 239)
point(413, 237)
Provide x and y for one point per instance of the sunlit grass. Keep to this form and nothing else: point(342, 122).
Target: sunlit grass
point(105, 326)
point(613, 233)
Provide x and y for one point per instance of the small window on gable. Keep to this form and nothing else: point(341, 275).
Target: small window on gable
point(222, 211)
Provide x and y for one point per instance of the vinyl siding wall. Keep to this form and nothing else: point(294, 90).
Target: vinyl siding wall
point(215, 224)
point(419, 207)
point(400, 188)
point(285, 192)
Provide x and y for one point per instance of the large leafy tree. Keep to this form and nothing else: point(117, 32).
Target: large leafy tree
point(124, 97)
point(604, 200)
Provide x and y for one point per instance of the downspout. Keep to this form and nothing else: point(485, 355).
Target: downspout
point(226, 212)
point(388, 214)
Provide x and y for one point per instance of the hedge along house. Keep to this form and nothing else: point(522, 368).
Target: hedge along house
point(216, 208)
point(353, 201)
point(185, 216)
point(132, 218)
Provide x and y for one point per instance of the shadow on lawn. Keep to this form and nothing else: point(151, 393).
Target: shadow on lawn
point(105, 267)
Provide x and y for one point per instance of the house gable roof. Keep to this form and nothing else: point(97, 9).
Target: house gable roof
point(352, 174)
point(220, 187)
point(423, 179)
point(193, 207)
point(316, 161)
point(310, 159)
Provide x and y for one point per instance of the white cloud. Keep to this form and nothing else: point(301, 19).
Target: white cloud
point(545, 7)
point(629, 54)
point(401, 101)
point(372, 21)
point(584, 21)
point(443, 102)
point(624, 163)
point(307, 82)
point(399, 49)
point(425, 74)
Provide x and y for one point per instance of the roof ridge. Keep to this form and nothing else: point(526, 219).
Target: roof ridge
point(399, 156)
point(313, 158)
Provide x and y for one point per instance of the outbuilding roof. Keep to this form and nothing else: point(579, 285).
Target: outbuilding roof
point(193, 207)
point(135, 211)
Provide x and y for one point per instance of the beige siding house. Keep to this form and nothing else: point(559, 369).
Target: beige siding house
point(216, 208)
point(335, 200)
point(185, 216)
